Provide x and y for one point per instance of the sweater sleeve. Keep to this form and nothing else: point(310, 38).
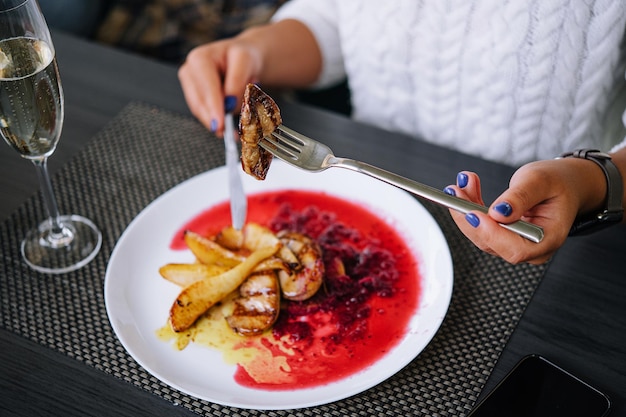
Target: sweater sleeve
point(320, 16)
point(622, 144)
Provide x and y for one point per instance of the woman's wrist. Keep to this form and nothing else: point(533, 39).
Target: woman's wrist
point(602, 196)
point(590, 184)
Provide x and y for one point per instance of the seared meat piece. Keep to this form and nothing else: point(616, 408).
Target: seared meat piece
point(260, 116)
point(307, 274)
point(258, 304)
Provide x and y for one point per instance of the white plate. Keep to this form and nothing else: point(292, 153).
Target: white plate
point(137, 300)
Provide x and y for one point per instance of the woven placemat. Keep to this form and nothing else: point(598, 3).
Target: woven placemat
point(144, 152)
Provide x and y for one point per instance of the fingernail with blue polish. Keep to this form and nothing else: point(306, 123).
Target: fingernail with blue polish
point(461, 179)
point(449, 191)
point(213, 125)
point(503, 208)
point(229, 103)
point(472, 219)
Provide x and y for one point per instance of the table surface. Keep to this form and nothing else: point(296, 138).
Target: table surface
point(577, 316)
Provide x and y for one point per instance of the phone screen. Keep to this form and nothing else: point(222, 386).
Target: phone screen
point(536, 388)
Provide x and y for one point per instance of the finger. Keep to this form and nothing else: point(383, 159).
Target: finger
point(489, 236)
point(201, 81)
point(527, 197)
point(467, 187)
point(243, 67)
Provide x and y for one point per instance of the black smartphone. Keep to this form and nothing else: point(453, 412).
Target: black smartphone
point(536, 387)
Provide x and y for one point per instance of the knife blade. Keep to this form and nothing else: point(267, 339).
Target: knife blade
point(238, 199)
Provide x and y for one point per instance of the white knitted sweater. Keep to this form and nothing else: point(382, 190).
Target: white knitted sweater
point(511, 81)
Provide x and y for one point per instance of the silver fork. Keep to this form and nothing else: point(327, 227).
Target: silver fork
point(311, 155)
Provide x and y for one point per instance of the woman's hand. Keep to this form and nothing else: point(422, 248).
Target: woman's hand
point(282, 54)
point(214, 71)
point(547, 193)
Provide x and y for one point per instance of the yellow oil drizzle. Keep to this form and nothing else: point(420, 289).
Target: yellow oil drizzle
point(253, 353)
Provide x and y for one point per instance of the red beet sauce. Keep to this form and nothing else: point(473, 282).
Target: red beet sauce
point(363, 309)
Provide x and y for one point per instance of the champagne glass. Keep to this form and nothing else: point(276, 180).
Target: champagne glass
point(31, 117)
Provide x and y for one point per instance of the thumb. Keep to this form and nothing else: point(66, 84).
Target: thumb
point(524, 196)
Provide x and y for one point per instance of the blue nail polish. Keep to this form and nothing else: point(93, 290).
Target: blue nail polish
point(229, 103)
point(461, 179)
point(472, 219)
point(503, 208)
point(213, 125)
point(449, 191)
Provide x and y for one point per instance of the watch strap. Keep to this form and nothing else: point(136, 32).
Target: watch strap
point(614, 211)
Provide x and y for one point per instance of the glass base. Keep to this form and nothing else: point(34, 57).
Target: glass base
point(56, 253)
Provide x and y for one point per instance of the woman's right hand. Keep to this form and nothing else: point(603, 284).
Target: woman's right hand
point(214, 71)
point(281, 54)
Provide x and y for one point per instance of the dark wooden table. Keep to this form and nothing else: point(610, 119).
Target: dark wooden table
point(577, 316)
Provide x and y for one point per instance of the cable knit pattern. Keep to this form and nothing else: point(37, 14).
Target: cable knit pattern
point(508, 80)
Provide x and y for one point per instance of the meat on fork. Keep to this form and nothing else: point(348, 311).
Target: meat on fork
point(260, 116)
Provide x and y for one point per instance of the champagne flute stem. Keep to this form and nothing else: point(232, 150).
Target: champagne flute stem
point(50, 201)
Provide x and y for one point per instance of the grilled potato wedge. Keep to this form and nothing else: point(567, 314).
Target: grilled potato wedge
point(230, 238)
point(209, 252)
point(186, 274)
point(256, 236)
point(195, 299)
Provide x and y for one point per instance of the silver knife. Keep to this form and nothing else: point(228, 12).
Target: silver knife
point(238, 200)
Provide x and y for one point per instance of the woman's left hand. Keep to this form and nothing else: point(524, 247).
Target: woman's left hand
point(547, 193)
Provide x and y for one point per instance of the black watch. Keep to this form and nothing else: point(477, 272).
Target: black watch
point(614, 211)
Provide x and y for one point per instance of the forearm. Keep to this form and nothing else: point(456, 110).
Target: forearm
point(288, 51)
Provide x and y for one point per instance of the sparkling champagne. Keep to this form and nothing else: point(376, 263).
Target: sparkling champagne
point(31, 100)
point(31, 117)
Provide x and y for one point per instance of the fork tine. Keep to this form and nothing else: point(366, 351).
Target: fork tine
point(287, 140)
point(282, 144)
point(271, 144)
point(290, 136)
